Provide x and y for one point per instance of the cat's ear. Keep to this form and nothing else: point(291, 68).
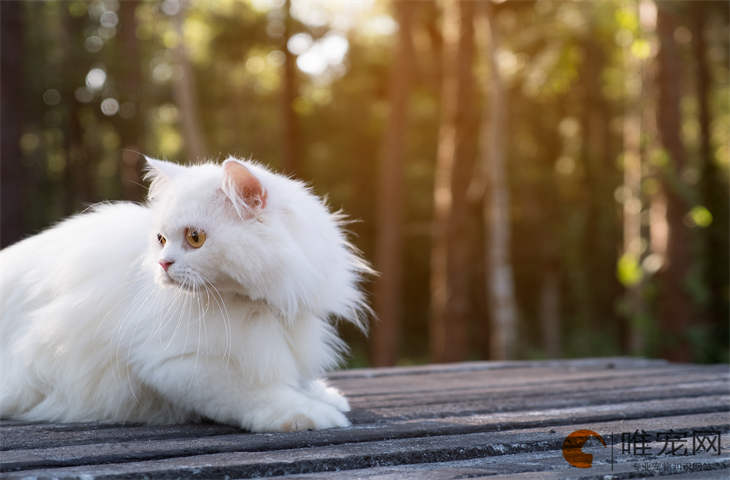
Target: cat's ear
point(159, 172)
point(242, 188)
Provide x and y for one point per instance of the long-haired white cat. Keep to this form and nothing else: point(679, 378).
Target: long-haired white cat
point(213, 300)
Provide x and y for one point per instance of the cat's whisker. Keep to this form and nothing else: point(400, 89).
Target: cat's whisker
point(128, 322)
point(226, 352)
point(197, 346)
point(200, 320)
point(125, 325)
point(226, 317)
point(204, 315)
point(176, 312)
point(207, 302)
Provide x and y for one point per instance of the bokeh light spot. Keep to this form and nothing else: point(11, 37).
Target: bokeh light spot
point(51, 97)
point(95, 78)
point(93, 44)
point(299, 43)
point(109, 106)
point(109, 19)
point(700, 216)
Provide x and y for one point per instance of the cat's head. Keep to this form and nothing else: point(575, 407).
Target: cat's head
point(239, 228)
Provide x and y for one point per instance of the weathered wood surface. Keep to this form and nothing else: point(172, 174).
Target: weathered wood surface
point(468, 420)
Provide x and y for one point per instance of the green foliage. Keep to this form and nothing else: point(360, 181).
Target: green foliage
point(566, 75)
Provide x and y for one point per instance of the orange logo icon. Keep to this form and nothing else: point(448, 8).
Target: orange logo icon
point(572, 448)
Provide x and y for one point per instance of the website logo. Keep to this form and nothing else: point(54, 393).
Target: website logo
point(572, 448)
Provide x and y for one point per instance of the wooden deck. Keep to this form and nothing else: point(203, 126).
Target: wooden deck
point(486, 419)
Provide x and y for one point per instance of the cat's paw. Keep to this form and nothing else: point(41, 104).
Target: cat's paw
point(307, 414)
point(319, 389)
point(315, 416)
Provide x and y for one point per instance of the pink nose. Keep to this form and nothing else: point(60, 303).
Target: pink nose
point(165, 264)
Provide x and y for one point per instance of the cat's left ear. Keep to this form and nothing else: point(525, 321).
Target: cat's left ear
point(159, 172)
point(242, 188)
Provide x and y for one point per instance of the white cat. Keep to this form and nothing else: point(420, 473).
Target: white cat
point(213, 300)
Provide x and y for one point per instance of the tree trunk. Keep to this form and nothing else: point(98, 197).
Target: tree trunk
point(714, 193)
point(550, 314)
point(132, 127)
point(78, 174)
point(546, 193)
point(290, 154)
point(11, 119)
point(185, 93)
point(632, 202)
point(451, 259)
point(676, 309)
point(599, 230)
point(388, 247)
point(500, 283)
point(703, 84)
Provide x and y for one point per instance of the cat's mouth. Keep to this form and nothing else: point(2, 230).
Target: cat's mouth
point(168, 280)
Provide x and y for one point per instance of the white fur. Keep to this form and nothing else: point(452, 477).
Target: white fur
point(93, 329)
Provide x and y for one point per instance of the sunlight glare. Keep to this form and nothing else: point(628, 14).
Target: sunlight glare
point(334, 47)
point(381, 25)
point(340, 14)
point(328, 51)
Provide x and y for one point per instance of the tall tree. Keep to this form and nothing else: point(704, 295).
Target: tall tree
point(599, 180)
point(500, 281)
point(451, 257)
point(78, 178)
point(546, 193)
point(11, 119)
point(388, 246)
point(184, 91)
point(636, 86)
point(291, 151)
point(676, 305)
point(713, 185)
point(132, 126)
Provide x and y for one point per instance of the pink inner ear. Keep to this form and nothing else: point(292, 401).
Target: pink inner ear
point(247, 185)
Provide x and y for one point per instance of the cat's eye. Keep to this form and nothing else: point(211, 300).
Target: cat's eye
point(161, 239)
point(195, 237)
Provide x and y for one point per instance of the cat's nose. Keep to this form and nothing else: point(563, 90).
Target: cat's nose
point(165, 264)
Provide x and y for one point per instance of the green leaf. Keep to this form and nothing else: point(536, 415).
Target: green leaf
point(700, 216)
point(628, 270)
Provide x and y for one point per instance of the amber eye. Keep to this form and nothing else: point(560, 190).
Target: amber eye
point(195, 237)
point(161, 239)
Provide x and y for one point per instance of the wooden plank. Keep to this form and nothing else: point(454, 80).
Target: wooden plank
point(544, 383)
point(536, 466)
point(579, 363)
point(618, 403)
point(432, 406)
point(103, 452)
point(536, 379)
point(499, 377)
point(43, 434)
point(350, 456)
point(511, 399)
point(488, 406)
point(444, 421)
point(368, 410)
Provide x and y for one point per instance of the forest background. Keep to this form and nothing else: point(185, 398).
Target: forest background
point(531, 178)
